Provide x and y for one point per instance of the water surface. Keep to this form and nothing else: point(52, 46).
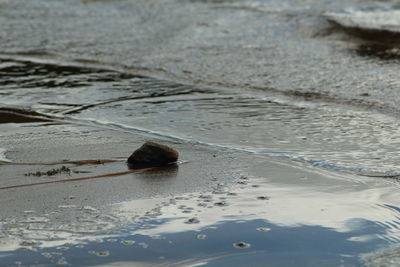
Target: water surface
point(287, 124)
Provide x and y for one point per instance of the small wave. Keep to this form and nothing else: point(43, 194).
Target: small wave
point(281, 155)
point(384, 21)
point(320, 134)
point(3, 156)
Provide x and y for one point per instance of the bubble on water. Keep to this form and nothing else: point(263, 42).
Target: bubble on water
point(128, 242)
point(201, 236)
point(241, 244)
point(47, 255)
point(99, 253)
point(62, 261)
point(220, 204)
point(192, 220)
point(103, 253)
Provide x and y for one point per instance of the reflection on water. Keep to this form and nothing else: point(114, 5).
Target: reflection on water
point(304, 219)
point(283, 246)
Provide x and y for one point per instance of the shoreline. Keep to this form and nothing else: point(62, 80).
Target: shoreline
point(234, 187)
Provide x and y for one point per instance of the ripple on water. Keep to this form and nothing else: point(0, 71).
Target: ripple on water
point(324, 135)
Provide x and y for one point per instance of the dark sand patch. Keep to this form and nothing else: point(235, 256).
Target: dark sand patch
point(11, 115)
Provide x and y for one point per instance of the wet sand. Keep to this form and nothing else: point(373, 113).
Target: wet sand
point(32, 142)
point(211, 188)
point(38, 143)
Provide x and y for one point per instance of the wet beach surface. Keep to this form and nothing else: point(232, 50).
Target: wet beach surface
point(284, 112)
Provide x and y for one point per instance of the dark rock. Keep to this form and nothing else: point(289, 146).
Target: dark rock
point(152, 154)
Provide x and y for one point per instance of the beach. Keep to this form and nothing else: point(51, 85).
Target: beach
point(182, 215)
point(284, 114)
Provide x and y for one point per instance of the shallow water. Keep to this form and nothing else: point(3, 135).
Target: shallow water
point(296, 117)
point(322, 134)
